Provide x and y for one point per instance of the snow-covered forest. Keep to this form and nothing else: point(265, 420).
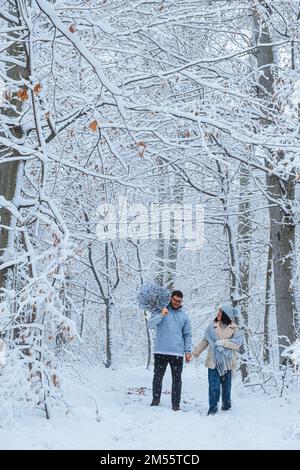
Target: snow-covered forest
point(148, 108)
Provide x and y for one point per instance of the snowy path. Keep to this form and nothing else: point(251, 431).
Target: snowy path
point(128, 422)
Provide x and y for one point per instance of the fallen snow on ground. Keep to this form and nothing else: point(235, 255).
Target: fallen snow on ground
point(126, 421)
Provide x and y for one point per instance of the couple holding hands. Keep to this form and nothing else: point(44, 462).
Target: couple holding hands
point(174, 341)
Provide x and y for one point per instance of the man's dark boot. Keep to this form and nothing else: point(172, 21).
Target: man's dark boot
point(155, 402)
point(176, 408)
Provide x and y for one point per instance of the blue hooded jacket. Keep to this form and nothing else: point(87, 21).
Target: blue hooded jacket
point(173, 332)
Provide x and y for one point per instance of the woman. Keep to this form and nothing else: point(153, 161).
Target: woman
point(223, 337)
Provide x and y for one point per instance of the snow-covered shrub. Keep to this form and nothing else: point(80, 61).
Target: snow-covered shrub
point(152, 296)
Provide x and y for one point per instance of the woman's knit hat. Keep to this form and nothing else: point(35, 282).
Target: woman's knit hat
point(232, 312)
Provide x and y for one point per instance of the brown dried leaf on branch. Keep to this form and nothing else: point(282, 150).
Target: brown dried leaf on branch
point(93, 125)
point(37, 88)
point(22, 94)
point(72, 28)
point(141, 148)
point(55, 380)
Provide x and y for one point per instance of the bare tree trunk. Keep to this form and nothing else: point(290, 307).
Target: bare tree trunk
point(173, 243)
point(148, 342)
point(106, 299)
point(283, 242)
point(172, 258)
point(281, 215)
point(160, 256)
point(244, 250)
point(244, 240)
point(83, 310)
point(108, 333)
point(170, 191)
point(108, 307)
point(234, 265)
point(9, 170)
point(232, 243)
point(161, 244)
point(267, 307)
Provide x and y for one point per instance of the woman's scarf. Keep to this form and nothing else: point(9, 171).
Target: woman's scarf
point(223, 357)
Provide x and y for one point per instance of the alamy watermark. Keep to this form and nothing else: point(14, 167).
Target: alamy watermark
point(151, 222)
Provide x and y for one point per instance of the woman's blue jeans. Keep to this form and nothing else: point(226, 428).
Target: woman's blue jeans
point(215, 384)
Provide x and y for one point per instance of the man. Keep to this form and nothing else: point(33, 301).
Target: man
point(173, 341)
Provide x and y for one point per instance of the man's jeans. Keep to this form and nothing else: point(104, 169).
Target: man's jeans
point(160, 364)
point(216, 382)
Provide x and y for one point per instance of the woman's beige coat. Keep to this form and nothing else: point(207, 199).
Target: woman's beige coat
point(224, 333)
